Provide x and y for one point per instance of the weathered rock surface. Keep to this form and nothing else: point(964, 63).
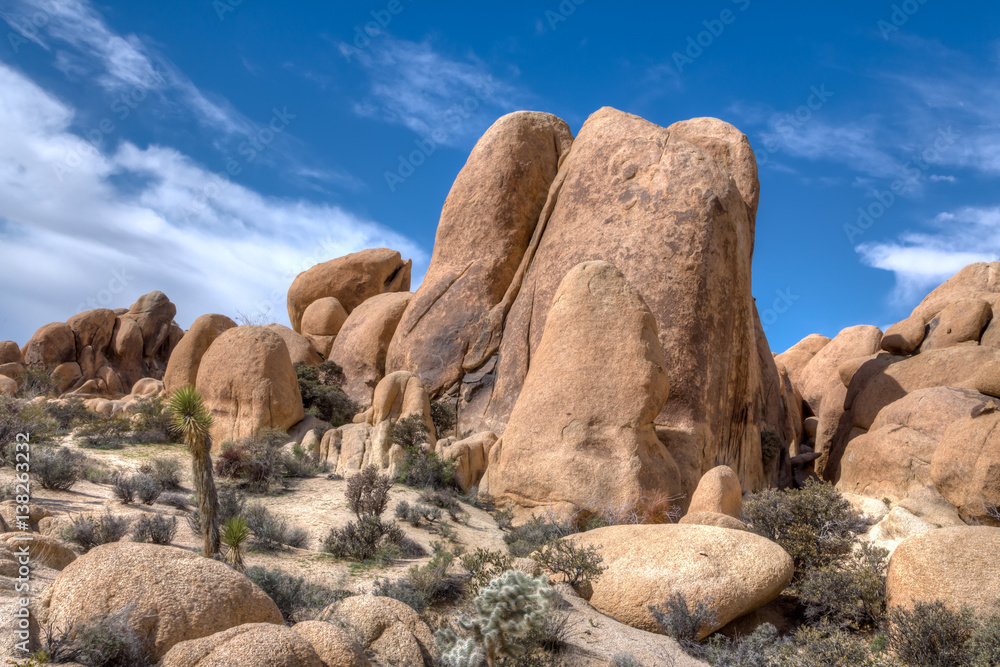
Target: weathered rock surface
point(10, 353)
point(732, 571)
point(965, 467)
point(486, 227)
point(182, 367)
point(248, 383)
point(363, 343)
point(177, 594)
point(950, 565)
point(387, 627)
point(581, 435)
point(718, 492)
point(300, 350)
point(351, 279)
point(323, 317)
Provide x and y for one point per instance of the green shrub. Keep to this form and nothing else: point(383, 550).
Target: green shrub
point(444, 416)
point(232, 502)
point(165, 470)
point(147, 489)
point(67, 413)
point(297, 599)
point(87, 532)
point(323, 392)
point(18, 417)
point(271, 533)
point(676, 619)
point(57, 468)
point(254, 462)
point(931, 634)
point(157, 529)
point(484, 565)
point(532, 535)
point(504, 516)
point(368, 492)
point(507, 611)
point(416, 514)
point(420, 467)
point(423, 586)
point(234, 535)
point(445, 499)
point(36, 381)
point(176, 500)
point(105, 432)
point(624, 660)
point(770, 447)
point(123, 486)
point(580, 565)
point(984, 646)
point(814, 524)
point(103, 641)
point(150, 421)
point(850, 593)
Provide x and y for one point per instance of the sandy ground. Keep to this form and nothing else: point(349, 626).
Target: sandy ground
point(318, 504)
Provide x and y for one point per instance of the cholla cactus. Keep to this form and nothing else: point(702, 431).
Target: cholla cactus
point(507, 610)
point(459, 652)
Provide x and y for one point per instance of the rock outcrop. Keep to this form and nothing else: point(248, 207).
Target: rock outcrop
point(351, 280)
point(176, 594)
point(485, 229)
point(182, 367)
point(581, 436)
point(386, 627)
point(248, 383)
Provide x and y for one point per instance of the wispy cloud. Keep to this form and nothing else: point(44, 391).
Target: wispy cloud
point(413, 85)
point(922, 260)
point(152, 214)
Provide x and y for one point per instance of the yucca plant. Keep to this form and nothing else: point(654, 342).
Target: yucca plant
point(192, 420)
point(235, 533)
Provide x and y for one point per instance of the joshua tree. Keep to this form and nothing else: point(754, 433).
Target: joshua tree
point(192, 420)
point(234, 534)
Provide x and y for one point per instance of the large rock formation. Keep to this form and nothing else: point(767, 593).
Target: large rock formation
point(248, 383)
point(581, 436)
point(486, 226)
point(674, 210)
point(965, 468)
point(176, 594)
point(734, 572)
point(363, 343)
point(386, 627)
point(101, 354)
point(182, 368)
point(350, 279)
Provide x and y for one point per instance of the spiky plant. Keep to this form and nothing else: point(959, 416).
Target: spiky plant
point(192, 420)
point(235, 533)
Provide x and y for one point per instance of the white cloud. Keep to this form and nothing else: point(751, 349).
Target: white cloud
point(921, 261)
point(152, 214)
point(435, 96)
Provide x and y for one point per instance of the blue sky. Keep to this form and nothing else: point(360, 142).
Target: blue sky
point(213, 150)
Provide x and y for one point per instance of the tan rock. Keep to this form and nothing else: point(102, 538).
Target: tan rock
point(43, 551)
point(51, 345)
point(904, 337)
point(895, 455)
point(388, 628)
point(470, 456)
point(363, 343)
point(154, 313)
point(66, 376)
point(248, 383)
point(177, 594)
point(485, 229)
point(323, 317)
point(333, 644)
point(635, 195)
point(355, 440)
point(732, 571)
point(947, 565)
point(182, 368)
point(351, 279)
point(797, 357)
point(13, 370)
point(300, 350)
point(329, 446)
point(125, 351)
point(10, 353)
point(581, 435)
point(821, 374)
point(948, 367)
point(92, 328)
point(398, 396)
point(712, 519)
point(8, 386)
point(961, 321)
point(987, 379)
point(248, 645)
point(36, 513)
point(965, 467)
point(718, 492)
point(147, 387)
point(322, 344)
